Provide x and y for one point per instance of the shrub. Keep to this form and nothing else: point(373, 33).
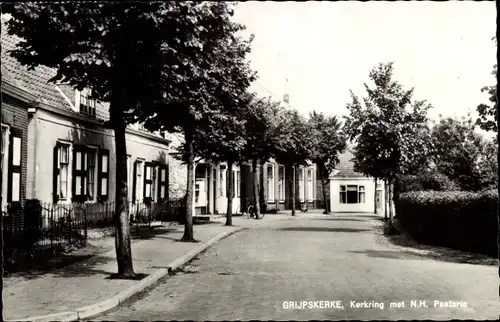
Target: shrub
point(458, 219)
point(434, 181)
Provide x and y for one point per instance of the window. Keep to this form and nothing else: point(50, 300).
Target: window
point(352, 194)
point(129, 185)
point(310, 186)
point(162, 183)
point(361, 190)
point(61, 164)
point(148, 181)
point(281, 183)
point(87, 104)
point(270, 182)
point(196, 192)
point(238, 184)
point(301, 184)
point(103, 175)
point(222, 181)
point(138, 181)
point(14, 187)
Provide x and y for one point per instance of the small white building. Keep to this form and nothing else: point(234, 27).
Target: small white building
point(351, 191)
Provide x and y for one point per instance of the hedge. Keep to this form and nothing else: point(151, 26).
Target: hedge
point(426, 181)
point(457, 219)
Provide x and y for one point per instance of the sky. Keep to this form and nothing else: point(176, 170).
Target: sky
point(442, 49)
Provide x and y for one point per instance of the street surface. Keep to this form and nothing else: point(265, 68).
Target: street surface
point(260, 273)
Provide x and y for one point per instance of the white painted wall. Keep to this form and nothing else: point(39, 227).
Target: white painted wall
point(367, 206)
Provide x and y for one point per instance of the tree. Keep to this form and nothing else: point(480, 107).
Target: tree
point(223, 138)
point(385, 128)
point(462, 154)
point(203, 84)
point(264, 136)
point(327, 143)
point(487, 119)
point(295, 148)
point(132, 55)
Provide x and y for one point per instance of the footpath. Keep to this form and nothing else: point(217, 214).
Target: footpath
point(84, 289)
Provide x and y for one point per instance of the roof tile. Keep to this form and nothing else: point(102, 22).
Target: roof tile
point(36, 81)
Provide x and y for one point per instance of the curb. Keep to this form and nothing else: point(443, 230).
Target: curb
point(106, 305)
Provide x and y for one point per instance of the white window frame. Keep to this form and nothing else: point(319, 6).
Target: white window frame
point(95, 151)
point(5, 164)
point(129, 176)
point(68, 169)
point(222, 181)
point(139, 180)
point(360, 194)
point(237, 185)
point(301, 185)
point(270, 183)
point(281, 184)
point(310, 184)
point(90, 103)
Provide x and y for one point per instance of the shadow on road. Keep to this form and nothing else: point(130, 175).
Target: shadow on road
point(438, 253)
point(325, 229)
point(341, 219)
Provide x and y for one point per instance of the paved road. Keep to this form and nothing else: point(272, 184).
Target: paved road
point(316, 258)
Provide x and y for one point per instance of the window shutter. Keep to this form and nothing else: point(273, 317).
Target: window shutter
point(103, 175)
point(134, 184)
point(162, 179)
point(79, 186)
point(73, 181)
point(14, 170)
point(55, 174)
point(144, 181)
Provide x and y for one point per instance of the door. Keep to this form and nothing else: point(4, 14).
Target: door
point(378, 199)
point(200, 193)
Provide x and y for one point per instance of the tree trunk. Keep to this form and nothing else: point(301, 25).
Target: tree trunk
point(294, 197)
point(230, 195)
point(188, 225)
point(386, 198)
point(121, 216)
point(1, 240)
point(323, 185)
point(391, 203)
point(256, 188)
point(375, 198)
point(262, 197)
point(498, 128)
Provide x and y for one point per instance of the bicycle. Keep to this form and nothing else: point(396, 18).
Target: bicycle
point(251, 211)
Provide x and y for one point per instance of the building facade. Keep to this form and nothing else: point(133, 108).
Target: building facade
point(57, 148)
point(351, 191)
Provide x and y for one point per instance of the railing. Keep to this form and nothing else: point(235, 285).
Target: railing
point(37, 228)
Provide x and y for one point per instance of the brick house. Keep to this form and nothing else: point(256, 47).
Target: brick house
point(60, 151)
point(16, 112)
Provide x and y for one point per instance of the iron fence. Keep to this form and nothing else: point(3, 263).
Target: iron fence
point(36, 228)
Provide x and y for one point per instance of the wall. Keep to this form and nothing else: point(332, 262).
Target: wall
point(51, 127)
point(177, 176)
point(15, 114)
point(367, 206)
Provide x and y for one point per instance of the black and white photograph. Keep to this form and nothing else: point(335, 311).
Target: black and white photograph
point(253, 160)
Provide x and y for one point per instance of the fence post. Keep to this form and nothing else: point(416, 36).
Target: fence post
point(51, 227)
point(69, 225)
point(85, 223)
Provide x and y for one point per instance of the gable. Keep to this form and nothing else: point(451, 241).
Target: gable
point(36, 81)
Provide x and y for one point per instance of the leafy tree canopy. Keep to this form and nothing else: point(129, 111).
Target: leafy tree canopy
point(387, 126)
point(327, 141)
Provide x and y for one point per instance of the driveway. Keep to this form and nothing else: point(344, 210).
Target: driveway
point(341, 261)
